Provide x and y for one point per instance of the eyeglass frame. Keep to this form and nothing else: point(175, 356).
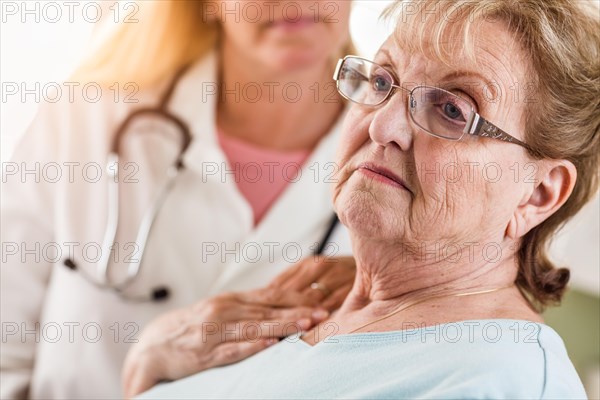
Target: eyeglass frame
point(476, 125)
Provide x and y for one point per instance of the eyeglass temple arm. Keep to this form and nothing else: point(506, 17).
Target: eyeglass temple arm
point(478, 126)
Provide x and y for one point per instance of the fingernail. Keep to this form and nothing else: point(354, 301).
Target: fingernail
point(320, 314)
point(304, 323)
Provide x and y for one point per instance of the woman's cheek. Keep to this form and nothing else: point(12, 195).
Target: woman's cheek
point(354, 136)
point(437, 167)
point(355, 129)
point(449, 182)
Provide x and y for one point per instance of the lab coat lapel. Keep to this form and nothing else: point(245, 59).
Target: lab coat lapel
point(195, 100)
point(294, 224)
point(298, 218)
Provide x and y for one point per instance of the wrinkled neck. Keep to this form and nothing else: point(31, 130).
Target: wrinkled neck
point(393, 274)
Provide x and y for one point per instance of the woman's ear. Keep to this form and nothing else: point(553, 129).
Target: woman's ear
point(553, 186)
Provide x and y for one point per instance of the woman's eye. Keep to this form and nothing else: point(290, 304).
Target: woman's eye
point(453, 112)
point(381, 84)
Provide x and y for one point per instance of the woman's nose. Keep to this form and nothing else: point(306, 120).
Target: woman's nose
point(390, 124)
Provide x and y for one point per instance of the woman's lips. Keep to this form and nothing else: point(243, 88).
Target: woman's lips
point(382, 175)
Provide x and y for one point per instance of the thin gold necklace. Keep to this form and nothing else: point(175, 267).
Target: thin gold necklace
point(415, 302)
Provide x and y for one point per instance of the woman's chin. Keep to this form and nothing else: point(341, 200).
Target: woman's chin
point(364, 216)
point(286, 57)
point(290, 61)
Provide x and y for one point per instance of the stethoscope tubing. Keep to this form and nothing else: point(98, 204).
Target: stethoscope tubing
point(149, 218)
point(112, 224)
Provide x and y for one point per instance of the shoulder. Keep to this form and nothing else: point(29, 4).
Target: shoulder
point(493, 358)
point(561, 379)
point(522, 359)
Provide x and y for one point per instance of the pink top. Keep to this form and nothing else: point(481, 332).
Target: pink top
point(261, 174)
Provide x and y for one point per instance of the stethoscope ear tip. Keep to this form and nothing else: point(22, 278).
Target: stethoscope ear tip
point(70, 264)
point(160, 294)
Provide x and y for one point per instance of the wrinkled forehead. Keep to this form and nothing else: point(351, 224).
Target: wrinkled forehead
point(457, 34)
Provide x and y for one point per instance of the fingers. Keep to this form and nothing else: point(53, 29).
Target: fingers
point(282, 278)
point(244, 321)
point(266, 313)
point(267, 303)
point(235, 317)
point(335, 276)
point(254, 330)
point(330, 272)
point(330, 282)
point(335, 300)
point(231, 352)
point(346, 261)
point(309, 270)
point(275, 297)
point(282, 323)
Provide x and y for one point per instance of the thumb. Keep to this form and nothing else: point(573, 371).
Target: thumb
point(137, 380)
point(138, 384)
point(275, 297)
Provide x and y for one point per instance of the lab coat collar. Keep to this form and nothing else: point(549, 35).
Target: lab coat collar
point(301, 213)
point(194, 100)
point(297, 220)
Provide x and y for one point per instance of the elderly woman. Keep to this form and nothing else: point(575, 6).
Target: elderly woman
point(474, 137)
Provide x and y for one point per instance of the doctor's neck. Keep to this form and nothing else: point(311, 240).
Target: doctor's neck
point(287, 112)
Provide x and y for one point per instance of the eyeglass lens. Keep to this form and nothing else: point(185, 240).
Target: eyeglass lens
point(435, 110)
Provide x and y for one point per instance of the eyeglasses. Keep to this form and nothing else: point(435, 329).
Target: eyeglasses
point(439, 112)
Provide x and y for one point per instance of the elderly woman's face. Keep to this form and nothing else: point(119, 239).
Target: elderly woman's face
point(397, 182)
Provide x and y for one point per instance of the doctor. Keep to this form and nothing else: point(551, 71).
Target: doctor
point(251, 84)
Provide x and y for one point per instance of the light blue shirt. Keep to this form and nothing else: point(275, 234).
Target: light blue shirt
point(496, 358)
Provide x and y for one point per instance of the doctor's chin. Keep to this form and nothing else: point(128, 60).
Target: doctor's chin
point(327, 199)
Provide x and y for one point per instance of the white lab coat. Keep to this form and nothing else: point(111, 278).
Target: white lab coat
point(64, 338)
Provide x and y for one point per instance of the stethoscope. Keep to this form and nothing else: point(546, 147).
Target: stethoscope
point(158, 293)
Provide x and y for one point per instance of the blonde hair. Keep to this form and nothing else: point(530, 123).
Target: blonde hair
point(168, 35)
point(561, 39)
